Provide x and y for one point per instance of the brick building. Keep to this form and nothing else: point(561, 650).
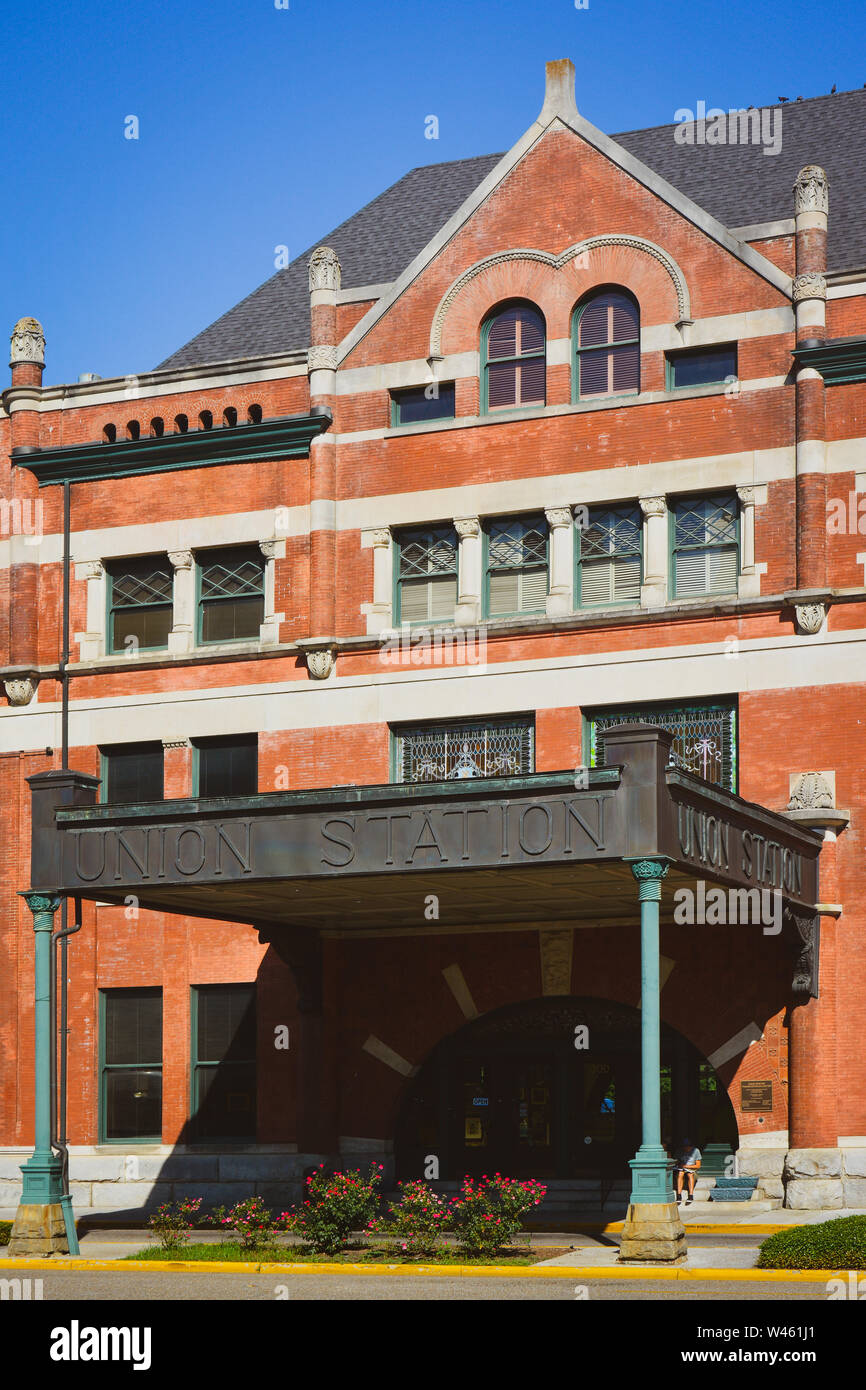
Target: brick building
point(537, 445)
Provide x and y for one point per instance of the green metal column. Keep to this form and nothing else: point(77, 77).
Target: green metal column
point(651, 1168)
point(43, 1180)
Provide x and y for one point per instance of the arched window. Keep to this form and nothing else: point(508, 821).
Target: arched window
point(109, 434)
point(181, 424)
point(230, 417)
point(513, 360)
point(205, 420)
point(133, 429)
point(157, 427)
point(607, 345)
point(254, 414)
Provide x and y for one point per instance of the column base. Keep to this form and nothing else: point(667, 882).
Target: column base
point(39, 1230)
point(653, 1234)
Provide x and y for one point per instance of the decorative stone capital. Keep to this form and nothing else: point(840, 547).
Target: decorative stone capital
point(652, 506)
point(467, 526)
point(28, 343)
point(180, 559)
point(810, 190)
point(810, 617)
point(320, 662)
point(272, 550)
point(324, 267)
point(20, 692)
point(89, 569)
point(746, 496)
point(381, 536)
point(810, 285)
point(322, 357)
point(649, 870)
point(42, 905)
point(810, 789)
point(558, 516)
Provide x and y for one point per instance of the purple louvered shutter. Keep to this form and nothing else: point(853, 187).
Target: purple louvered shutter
point(501, 384)
point(594, 323)
point(502, 338)
point(593, 374)
point(531, 332)
point(532, 381)
point(626, 367)
point(624, 315)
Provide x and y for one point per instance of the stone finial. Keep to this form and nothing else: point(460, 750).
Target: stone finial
point(559, 92)
point(810, 791)
point(810, 190)
point(28, 343)
point(325, 272)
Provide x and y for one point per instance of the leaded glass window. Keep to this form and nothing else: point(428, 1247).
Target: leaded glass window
point(705, 545)
point(231, 594)
point(477, 748)
point(139, 603)
point(131, 1046)
point(609, 556)
point(427, 575)
point(705, 736)
point(224, 1061)
point(513, 344)
point(516, 565)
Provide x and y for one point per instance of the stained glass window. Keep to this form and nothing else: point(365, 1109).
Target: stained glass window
point(478, 748)
point(705, 736)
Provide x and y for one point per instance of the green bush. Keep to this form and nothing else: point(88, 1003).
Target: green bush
point(335, 1205)
point(5, 1232)
point(418, 1218)
point(490, 1211)
point(173, 1221)
point(839, 1244)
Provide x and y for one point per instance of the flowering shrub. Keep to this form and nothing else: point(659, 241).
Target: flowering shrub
point(252, 1220)
point(172, 1222)
point(489, 1212)
point(335, 1205)
point(418, 1218)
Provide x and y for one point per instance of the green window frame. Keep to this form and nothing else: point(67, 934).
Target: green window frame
point(140, 603)
point(225, 766)
point(516, 565)
point(230, 594)
point(223, 1061)
point(463, 748)
point(425, 575)
point(704, 541)
point(413, 406)
point(130, 1066)
point(703, 366)
point(705, 735)
point(518, 371)
point(131, 773)
point(605, 333)
point(608, 557)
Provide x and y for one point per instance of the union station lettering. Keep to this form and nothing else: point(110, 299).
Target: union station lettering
point(715, 843)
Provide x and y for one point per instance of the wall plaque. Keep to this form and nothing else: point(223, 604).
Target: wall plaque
point(756, 1095)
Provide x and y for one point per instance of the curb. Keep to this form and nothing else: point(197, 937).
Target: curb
point(573, 1272)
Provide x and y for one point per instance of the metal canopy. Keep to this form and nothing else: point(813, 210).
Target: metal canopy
point(493, 851)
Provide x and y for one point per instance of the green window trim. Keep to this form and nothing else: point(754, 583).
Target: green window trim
point(513, 739)
point(580, 559)
point(400, 541)
point(205, 559)
point(106, 1069)
point(104, 762)
point(198, 1066)
point(446, 390)
point(706, 733)
point(719, 499)
point(577, 351)
point(681, 354)
point(484, 391)
point(112, 607)
point(529, 522)
point(250, 740)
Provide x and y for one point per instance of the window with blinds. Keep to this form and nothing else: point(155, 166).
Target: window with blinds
point(608, 551)
point(705, 558)
point(427, 575)
point(131, 1065)
point(701, 366)
point(516, 565)
point(705, 736)
point(607, 345)
point(139, 603)
point(231, 594)
point(132, 772)
point(469, 748)
point(514, 358)
point(224, 1061)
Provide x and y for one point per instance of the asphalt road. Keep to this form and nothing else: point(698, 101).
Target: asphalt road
point(205, 1287)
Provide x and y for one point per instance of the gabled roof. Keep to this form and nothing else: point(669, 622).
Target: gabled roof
point(739, 185)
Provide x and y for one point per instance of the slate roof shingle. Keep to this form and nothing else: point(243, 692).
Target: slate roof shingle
point(740, 185)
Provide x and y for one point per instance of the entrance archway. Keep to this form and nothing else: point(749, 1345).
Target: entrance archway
point(551, 1089)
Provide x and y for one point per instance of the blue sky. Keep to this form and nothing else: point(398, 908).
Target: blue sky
point(262, 127)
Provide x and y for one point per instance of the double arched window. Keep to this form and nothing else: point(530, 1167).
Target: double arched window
point(513, 358)
point(606, 335)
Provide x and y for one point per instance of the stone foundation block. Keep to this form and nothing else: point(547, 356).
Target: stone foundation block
point(38, 1230)
point(653, 1234)
point(814, 1194)
point(854, 1163)
point(855, 1192)
point(813, 1163)
point(258, 1167)
point(125, 1196)
point(771, 1187)
point(760, 1163)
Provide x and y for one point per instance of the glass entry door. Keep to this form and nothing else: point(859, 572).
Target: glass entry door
point(507, 1121)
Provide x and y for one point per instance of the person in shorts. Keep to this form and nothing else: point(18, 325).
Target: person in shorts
point(687, 1161)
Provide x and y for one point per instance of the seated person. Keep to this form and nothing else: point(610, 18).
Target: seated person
point(687, 1162)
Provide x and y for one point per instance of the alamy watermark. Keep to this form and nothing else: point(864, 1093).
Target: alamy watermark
point(739, 126)
point(434, 646)
point(738, 906)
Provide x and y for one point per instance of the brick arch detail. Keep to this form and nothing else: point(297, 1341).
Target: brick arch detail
point(534, 263)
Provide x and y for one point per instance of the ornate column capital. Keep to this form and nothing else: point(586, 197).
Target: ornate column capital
point(746, 495)
point(810, 617)
point(273, 549)
point(381, 536)
point(322, 357)
point(558, 516)
point(810, 285)
point(325, 270)
point(28, 343)
point(42, 905)
point(20, 692)
point(467, 526)
point(89, 569)
point(649, 874)
point(811, 189)
point(180, 559)
point(652, 506)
